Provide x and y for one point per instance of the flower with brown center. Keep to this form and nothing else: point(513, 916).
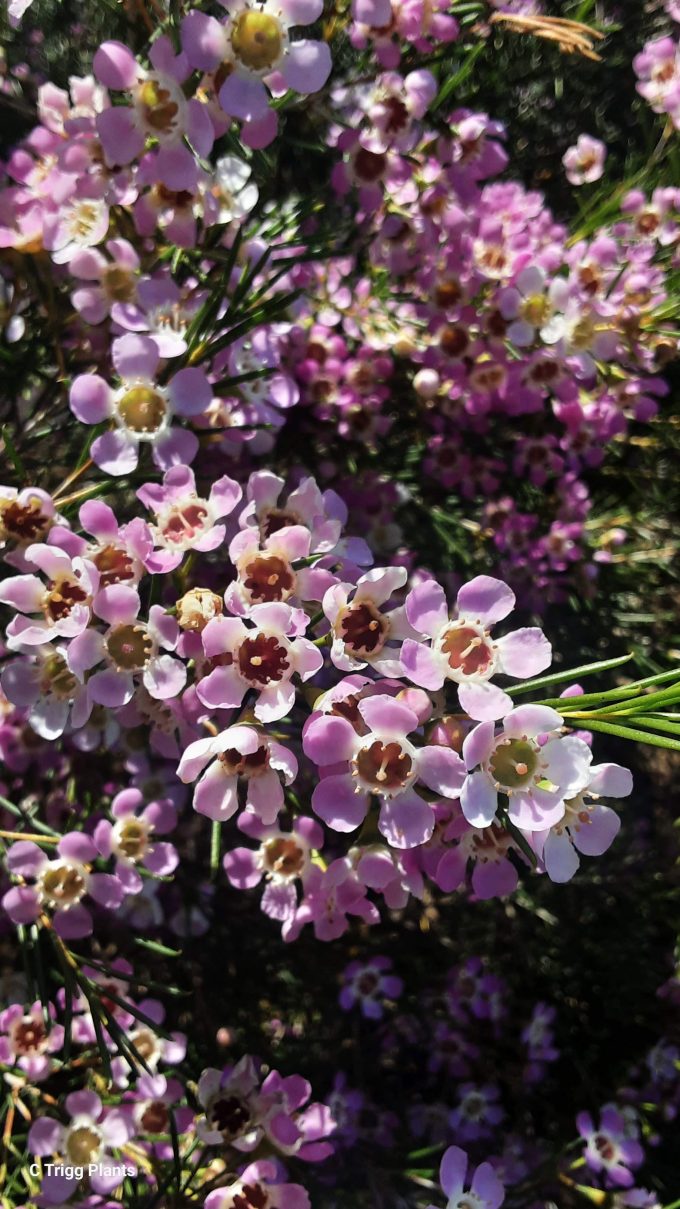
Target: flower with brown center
point(231, 1115)
point(114, 564)
point(263, 660)
point(274, 519)
point(468, 649)
point(155, 1117)
point(56, 678)
point(284, 857)
point(250, 764)
point(184, 522)
point(131, 838)
point(23, 520)
point(268, 578)
point(28, 1036)
point(362, 628)
point(62, 596)
point(118, 283)
point(385, 766)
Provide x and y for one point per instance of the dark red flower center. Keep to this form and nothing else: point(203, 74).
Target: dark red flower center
point(268, 578)
point(385, 766)
point(363, 628)
point(263, 660)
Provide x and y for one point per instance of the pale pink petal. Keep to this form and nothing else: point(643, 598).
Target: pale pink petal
point(406, 821)
point(307, 66)
point(135, 356)
point(479, 800)
point(216, 794)
point(485, 600)
point(115, 66)
point(559, 857)
point(524, 653)
point(335, 801)
point(426, 608)
point(484, 702)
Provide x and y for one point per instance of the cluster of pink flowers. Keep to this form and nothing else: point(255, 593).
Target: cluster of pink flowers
point(200, 655)
point(99, 1145)
point(657, 68)
point(528, 353)
point(305, 663)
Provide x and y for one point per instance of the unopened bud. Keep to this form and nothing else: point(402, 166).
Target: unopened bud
point(197, 608)
point(426, 383)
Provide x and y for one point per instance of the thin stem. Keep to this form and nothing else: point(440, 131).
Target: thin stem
point(29, 835)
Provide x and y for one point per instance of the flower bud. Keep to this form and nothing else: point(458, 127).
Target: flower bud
point(426, 383)
point(197, 607)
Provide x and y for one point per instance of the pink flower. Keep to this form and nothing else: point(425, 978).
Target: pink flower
point(368, 983)
point(90, 1140)
point(44, 685)
point(536, 769)
point(323, 513)
point(27, 1042)
point(79, 224)
point(132, 650)
point(283, 858)
point(362, 631)
point(239, 753)
point(382, 762)
point(484, 1189)
point(330, 896)
point(584, 162)
point(587, 826)
point(162, 310)
point(254, 44)
point(241, 1110)
point(262, 656)
point(609, 1147)
point(487, 849)
point(113, 279)
point(473, 1118)
point(183, 520)
point(159, 110)
point(260, 1183)
point(658, 70)
point(140, 409)
point(131, 838)
point(461, 647)
point(26, 517)
point(151, 1104)
point(266, 573)
point(118, 552)
point(63, 603)
point(59, 884)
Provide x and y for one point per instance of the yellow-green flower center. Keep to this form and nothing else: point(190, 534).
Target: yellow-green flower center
point(514, 763)
point(83, 1145)
point(257, 40)
point(536, 310)
point(142, 409)
point(118, 283)
point(131, 838)
point(61, 885)
point(130, 647)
